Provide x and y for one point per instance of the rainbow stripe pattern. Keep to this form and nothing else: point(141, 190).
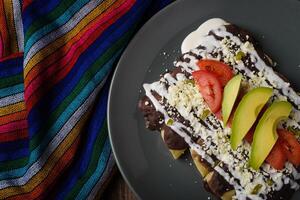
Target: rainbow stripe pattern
point(56, 60)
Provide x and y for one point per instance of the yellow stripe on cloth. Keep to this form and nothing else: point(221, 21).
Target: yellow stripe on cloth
point(9, 14)
point(12, 108)
point(53, 46)
point(51, 162)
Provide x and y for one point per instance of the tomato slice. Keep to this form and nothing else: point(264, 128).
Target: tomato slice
point(290, 146)
point(210, 88)
point(249, 136)
point(218, 115)
point(277, 156)
point(223, 71)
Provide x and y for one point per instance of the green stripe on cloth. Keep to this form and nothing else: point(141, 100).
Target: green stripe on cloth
point(13, 164)
point(86, 78)
point(98, 146)
point(11, 80)
point(53, 134)
point(50, 17)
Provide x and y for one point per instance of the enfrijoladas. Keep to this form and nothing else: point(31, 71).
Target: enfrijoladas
point(174, 106)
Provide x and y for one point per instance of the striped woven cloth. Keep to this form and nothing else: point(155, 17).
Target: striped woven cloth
point(56, 57)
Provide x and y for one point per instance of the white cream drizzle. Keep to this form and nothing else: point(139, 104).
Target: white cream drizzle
point(196, 37)
point(237, 166)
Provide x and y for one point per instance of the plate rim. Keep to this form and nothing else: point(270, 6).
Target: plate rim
point(113, 82)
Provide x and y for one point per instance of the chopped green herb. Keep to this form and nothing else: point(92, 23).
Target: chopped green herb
point(216, 163)
point(239, 55)
point(189, 81)
point(170, 122)
point(270, 182)
point(256, 189)
point(204, 114)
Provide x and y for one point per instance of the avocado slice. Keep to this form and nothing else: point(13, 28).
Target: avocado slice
point(231, 91)
point(247, 112)
point(265, 135)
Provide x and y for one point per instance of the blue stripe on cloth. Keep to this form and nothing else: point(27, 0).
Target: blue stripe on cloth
point(13, 154)
point(38, 9)
point(77, 172)
point(65, 17)
point(4, 92)
point(11, 67)
point(87, 187)
point(17, 144)
point(120, 26)
point(14, 150)
point(64, 87)
point(92, 133)
point(35, 154)
point(60, 91)
point(11, 63)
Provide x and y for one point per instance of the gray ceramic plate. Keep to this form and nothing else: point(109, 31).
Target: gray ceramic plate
point(141, 155)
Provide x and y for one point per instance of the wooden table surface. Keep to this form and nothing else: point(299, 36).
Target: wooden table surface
point(117, 189)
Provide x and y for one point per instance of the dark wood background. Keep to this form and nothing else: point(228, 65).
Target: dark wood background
point(117, 189)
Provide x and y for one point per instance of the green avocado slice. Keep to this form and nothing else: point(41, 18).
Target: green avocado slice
point(247, 112)
point(231, 91)
point(265, 135)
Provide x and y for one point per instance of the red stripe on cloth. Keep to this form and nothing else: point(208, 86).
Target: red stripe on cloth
point(11, 56)
point(1, 46)
point(41, 85)
point(4, 31)
point(13, 117)
point(105, 20)
point(26, 3)
point(57, 57)
point(57, 171)
point(13, 126)
point(15, 135)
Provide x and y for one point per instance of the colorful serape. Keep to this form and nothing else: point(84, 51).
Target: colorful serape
point(56, 57)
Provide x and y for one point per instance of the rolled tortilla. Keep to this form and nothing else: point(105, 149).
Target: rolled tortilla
point(202, 167)
point(176, 153)
point(218, 186)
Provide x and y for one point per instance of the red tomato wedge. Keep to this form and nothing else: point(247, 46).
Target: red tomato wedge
point(286, 148)
point(277, 156)
point(290, 146)
point(210, 88)
point(249, 136)
point(223, 71)
point(219, 115)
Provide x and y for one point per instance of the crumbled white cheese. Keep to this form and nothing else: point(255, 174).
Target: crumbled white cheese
point(247, 47)
point(228, 52)
point(186, 97)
